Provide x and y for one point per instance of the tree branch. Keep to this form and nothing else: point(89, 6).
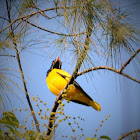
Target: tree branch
point(129, 133)
point(119, 71)
point(21, 70)
point(13, 29)
point(52, 31)
point(8, 55)
point(128, 61)
point(30, 15)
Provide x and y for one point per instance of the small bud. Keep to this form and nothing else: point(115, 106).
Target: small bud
point(69, 123)
point(68, 101)
point(73, 130)
point(33, 98)
point(26, 109)
point(95, 135)
point(59, 101)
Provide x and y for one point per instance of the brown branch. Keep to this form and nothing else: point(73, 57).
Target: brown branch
point(4, 18)
point(119, 71)
point(107, 68)
point(128, 61)
point(21, 71)
point(129, 133)
point(12, 22)
point(13, 29)
point(30, 15)
point(9, 55)
point(26, 91)
point(52, 31)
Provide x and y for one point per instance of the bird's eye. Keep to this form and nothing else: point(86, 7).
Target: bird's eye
point(53, 62)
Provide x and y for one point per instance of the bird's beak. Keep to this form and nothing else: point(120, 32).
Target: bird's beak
point(58, 59)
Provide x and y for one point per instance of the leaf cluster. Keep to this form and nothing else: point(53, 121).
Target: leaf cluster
point(9, 128)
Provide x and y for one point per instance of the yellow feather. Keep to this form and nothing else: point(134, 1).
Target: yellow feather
point(57, 80)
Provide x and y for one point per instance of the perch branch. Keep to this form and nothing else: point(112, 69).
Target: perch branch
point(119, 71)
point(129, 133)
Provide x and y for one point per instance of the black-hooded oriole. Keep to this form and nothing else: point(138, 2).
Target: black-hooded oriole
point(57, 79)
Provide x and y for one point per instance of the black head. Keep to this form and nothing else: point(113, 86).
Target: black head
point(55, 64)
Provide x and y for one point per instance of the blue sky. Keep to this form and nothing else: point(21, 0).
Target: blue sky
point(117, 95)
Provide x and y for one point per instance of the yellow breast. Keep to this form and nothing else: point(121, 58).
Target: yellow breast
point(56, 82)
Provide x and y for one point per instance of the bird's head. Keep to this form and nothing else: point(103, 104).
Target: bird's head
point(55, 64)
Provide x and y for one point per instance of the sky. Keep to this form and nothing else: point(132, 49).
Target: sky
point(117, 95)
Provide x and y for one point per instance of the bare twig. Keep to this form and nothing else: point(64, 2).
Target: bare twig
point(13, 29)
point(129, 133)
point(119, 71)
point(4, 18)
point(128, 61)
point(107, 68)
point(52, 31)
point(21, 71)
point(30, 15)
point(9, 55)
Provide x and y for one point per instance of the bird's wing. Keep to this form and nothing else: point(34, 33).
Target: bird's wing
point(67, 77)
point(79, 87)
point(64, 75)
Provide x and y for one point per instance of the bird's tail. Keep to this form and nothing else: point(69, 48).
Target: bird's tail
point(95, 105)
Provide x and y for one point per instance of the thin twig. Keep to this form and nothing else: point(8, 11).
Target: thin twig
point(119, 71)
point(13, 29)
point(128, 61)
point(4, 18)
point(52, 31)
point(30, 15)
point(9, 55)
point(107, 68)
point(129, 133)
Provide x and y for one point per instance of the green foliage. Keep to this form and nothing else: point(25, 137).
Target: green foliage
point(91, 138)
point(32, 135)
point(5, 44)
point(101, 137)
point(9, 118)
point(27, 4)
point(6, 86)
point(9, 123)
point(105, 137)
point(120, 34)
point(9, 128)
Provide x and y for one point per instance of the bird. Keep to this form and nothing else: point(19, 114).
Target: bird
point(56, 80)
